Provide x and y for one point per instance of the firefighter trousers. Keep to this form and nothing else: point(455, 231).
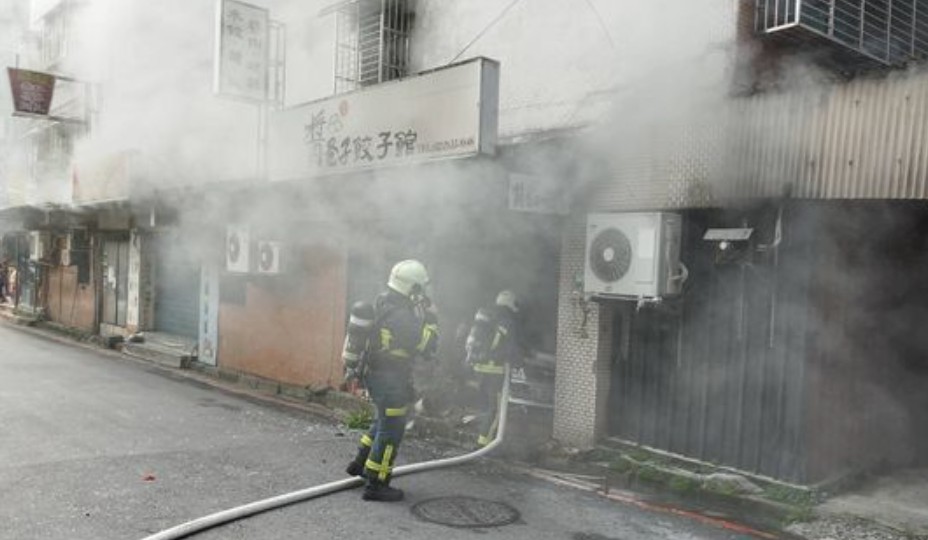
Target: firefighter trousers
point(491, 386)
point(380, 446)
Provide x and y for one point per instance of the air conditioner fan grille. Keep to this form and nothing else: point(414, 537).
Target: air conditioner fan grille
point(610, 255)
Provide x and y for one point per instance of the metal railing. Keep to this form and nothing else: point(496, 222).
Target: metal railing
point(892, 32)
point(372, 42)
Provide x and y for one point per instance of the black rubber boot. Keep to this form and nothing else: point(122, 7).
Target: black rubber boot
point(381, 491)
point(355, 468)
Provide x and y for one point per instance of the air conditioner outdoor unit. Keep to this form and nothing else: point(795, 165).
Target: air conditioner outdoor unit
point(269, 257)
point(238, 249)
point(633, 255)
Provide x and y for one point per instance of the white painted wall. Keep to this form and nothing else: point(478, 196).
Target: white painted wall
point(154, 64)
point(572, 62)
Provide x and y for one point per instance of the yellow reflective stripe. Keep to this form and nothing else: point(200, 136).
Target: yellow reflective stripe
point(483, 440)
point(398, 353)
point(400, 411)
point(386, 338)
point(498, 336)
point(372, 465)
point(428, 331)
point(366, 440)
point(385, 464)
point(491, 369)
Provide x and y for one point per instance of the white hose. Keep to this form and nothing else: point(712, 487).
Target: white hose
point(240, 512)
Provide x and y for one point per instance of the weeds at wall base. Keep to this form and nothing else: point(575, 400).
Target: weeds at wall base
point(702, 486)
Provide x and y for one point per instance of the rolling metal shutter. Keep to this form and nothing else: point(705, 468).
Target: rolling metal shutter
point(177, 287)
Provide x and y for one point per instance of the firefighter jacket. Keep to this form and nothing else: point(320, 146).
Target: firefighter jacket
point(400, 334)
point(501, 343)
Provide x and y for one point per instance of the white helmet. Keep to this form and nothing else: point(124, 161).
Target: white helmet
point(508, 299)
point(409, 278)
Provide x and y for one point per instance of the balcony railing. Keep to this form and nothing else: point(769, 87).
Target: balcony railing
point(890, 32)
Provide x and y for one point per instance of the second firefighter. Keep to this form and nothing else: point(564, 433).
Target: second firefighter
point(495, 340)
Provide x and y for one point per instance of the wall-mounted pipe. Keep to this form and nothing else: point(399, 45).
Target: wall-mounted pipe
point(240, 512)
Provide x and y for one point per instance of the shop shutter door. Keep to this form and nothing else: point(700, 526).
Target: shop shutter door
point(177, 287)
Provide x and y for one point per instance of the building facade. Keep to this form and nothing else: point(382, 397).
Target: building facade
point(792, 155)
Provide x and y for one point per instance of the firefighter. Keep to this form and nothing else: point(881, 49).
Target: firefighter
point(495, 340)
point(402, 326)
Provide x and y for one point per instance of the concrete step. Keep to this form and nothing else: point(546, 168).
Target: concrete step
point(9, 313)
point(174, 357)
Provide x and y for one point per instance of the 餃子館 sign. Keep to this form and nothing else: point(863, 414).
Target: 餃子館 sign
point(446, 113)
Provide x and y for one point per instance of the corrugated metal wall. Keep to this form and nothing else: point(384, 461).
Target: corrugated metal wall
point(863, 139)
point(860, 140)
point(802, 364)
point(718, 375)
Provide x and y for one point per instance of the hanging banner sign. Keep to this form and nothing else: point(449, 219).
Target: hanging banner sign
point(32, 91)
point(441, 114)
point(241, 62)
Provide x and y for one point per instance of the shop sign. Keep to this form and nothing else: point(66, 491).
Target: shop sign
point(442, 114)
point(32, 91)
point(241, 62)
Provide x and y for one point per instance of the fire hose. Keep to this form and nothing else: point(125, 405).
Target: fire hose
point(257, 507)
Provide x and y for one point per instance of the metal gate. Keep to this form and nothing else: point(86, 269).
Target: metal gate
point(115, 281)
point(177, 287)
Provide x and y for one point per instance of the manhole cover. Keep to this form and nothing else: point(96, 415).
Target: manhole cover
point(466, 512)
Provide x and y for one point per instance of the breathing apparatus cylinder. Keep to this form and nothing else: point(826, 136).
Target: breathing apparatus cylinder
point(357, 335)
point(478, 341)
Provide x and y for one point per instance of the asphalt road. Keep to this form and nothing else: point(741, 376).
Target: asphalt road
point(95, 446)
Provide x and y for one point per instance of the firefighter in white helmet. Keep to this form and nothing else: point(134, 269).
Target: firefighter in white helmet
point(401, 326)
point(495, 340)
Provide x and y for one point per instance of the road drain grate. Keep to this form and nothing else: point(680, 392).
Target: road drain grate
point(466, 512)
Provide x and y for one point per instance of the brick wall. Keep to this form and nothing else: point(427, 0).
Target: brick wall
point(583, 349)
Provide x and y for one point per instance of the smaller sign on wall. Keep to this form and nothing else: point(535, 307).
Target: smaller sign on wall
point(537, 195)
point(135, 282)
point(208, 349)
point(241, 62)
point(32, 91)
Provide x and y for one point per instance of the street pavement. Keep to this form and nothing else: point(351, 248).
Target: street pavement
point(97, 446)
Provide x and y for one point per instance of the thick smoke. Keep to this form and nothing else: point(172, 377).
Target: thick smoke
point(652, 87)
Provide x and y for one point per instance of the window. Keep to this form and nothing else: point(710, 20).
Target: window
point(372, 42)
